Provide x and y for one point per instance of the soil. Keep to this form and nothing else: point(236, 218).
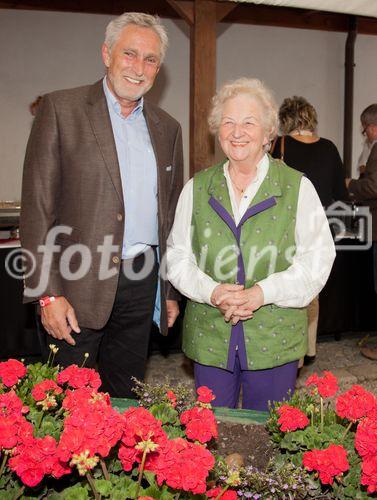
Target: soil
point(249, 440)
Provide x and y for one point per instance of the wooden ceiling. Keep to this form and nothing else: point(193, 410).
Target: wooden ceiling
point(242, 13)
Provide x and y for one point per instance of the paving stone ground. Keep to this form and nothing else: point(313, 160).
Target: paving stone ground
point(342, 357)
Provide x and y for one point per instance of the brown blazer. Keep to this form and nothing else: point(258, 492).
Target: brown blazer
point(365, 189)
point(72, 177)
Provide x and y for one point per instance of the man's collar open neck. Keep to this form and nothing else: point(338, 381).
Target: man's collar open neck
point(125, 106)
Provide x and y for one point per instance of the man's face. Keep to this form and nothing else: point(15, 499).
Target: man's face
point(133, 63)
point(370, 131)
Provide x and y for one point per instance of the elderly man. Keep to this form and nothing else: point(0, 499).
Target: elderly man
point(102, 174)
point(364, 189)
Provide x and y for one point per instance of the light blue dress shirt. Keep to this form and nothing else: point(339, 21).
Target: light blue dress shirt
point(138, 170)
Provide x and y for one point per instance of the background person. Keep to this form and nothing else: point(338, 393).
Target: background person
point(250, 248)
point(318, 158)
point(364, 190)
point(108, 164)
point(368, 120)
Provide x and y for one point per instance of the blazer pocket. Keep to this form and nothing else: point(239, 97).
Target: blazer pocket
point(66, 240)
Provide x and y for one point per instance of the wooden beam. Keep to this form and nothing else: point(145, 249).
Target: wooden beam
point(263, 15)
point(184, 9)
point(349, 67)
point(223, 9)
point(285, 17)
point(113, 7)
point(202, 83)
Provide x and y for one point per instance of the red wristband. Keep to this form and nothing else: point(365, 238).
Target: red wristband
point(46, 301)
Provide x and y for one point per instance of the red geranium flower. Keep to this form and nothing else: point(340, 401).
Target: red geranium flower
point(140, 427)
point(291, 418)
point(369, 473)
point(182, 465)
point(78, 378)
point(92, 425)
point(35, 458)
point(366, 438)
point(227, 495)
point(46, 391)
point(355, 403)
point(11, 371)
point(14, 429)
point(328, 463)
point(200, 424)
point(11, 404)
point(172, 398)
point(205, 395)
point(327, 385)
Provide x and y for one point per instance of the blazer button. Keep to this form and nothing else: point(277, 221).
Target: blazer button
point(115, 260)
point(120, 217)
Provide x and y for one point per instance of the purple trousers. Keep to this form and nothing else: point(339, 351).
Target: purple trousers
point(258, 386)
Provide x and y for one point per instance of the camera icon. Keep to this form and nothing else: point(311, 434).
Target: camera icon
point(350, 225)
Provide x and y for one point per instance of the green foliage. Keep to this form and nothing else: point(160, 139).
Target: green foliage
point(152, 394)
point(80, 491)
point(165, 413)
point(317, 435)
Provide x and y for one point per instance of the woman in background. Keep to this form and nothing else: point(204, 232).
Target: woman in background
point(318, 158)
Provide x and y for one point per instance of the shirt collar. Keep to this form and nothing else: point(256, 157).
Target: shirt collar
point(262, 167)
point(113, 103)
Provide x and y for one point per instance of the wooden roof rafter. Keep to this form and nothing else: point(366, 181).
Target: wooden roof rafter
point(232, 12)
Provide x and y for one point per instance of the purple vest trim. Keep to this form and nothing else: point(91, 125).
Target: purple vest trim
point(237, 339)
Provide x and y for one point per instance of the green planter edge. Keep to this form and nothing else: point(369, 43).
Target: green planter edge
point(236, 416)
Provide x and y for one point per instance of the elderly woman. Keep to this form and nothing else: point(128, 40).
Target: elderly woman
point(250, 248)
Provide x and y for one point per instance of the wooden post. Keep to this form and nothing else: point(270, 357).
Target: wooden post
point(348, 96)
point(202, 83)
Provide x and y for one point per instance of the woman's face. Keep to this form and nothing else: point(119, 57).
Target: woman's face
point(241, 134)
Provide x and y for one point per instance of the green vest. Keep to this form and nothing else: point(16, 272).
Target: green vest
point(275, 335)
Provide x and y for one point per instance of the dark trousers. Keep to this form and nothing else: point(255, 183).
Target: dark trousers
point(119, 350)
point(375, 265)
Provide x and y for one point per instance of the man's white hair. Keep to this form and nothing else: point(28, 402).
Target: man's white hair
point(115, 27)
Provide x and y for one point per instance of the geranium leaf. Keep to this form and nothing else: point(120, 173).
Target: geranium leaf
point(173, 432)
point(103, 487)
point(76, 492)
point(165, 413)
point(150, 477)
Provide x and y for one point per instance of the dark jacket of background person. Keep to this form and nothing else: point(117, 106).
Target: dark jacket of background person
point(365, 189)
point(320, 162)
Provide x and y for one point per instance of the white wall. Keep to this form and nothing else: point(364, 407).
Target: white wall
point(290, 62)
point(44, 51)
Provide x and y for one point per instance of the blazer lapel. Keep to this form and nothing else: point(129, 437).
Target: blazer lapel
point(156, 129)
point(99, 118)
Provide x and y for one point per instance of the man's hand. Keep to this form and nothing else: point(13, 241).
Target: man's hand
point(348, 180)
point(362, 169)
point(59, 319)
point(172, 310)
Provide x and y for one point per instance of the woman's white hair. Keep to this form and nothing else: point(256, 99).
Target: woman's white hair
point(253, 88)
point(115, 27)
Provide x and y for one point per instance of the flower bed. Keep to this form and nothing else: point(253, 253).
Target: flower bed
point(62, 438)
point(336, 441)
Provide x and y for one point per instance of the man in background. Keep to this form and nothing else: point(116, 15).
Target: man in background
point(102, 174)
point(364, 189)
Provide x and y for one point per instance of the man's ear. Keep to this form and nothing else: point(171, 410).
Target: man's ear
point(106, 58)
